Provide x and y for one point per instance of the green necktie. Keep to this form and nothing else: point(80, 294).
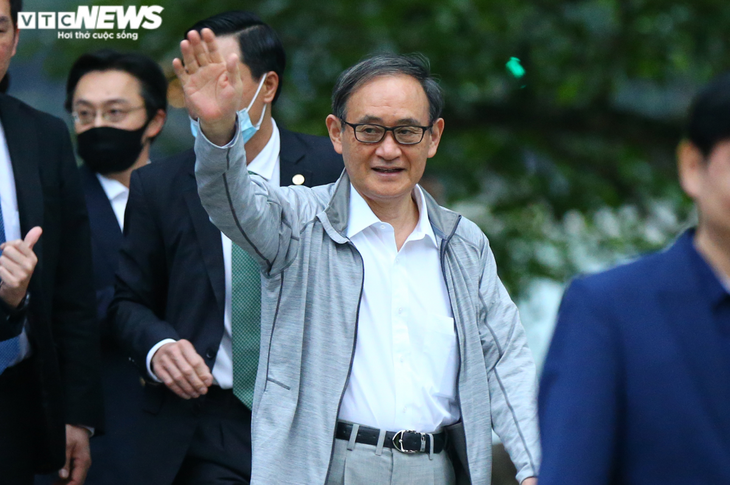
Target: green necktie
point(245, 322)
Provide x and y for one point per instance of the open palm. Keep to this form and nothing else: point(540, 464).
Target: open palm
point(212, 84)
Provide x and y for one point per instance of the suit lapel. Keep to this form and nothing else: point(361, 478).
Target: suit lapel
point(209, 238)
point(291, 152)
point(105, 228)
point(23, 142)
point(699, 336)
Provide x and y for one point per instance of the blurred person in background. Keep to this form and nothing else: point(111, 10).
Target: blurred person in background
point(50, 392)
point(636, 385)
point(188, 300)
point(118, 102)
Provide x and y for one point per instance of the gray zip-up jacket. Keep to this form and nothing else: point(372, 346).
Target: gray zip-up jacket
point(311, 288)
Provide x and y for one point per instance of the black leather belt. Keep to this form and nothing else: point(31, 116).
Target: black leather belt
point(405, 441)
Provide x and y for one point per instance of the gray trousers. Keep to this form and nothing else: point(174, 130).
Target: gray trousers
point(363, 466)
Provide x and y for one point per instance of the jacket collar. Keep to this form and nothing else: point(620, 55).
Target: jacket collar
point(707, 279)
point(443, 221)
point(695, 307)
point(22, 139)
point(291, 153)
point(292, 150)
point(104, 225)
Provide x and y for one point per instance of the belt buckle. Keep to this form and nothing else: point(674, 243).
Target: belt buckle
point(398, 441)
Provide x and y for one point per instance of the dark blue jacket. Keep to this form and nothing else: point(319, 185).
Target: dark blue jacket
point(636, 385)
point(112, 453)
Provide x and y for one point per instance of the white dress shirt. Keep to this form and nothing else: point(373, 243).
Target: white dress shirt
point(11, 220)
point(406, 361)
point(118, 195)
point(267, 165)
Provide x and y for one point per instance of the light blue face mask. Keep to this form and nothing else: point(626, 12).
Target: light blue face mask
point(248, 129)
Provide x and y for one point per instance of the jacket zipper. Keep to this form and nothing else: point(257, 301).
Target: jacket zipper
point(459, 336)
point(352, 358)
point(273, 327)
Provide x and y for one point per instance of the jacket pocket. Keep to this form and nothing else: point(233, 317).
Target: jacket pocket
point(276, 408)
point(278, 383)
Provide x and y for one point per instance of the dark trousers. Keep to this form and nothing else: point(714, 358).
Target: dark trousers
point(113, 452)
point(203, 441)
point(20, 427)
point(220, 452)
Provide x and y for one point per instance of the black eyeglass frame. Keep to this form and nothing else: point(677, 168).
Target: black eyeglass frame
point(105, 115)
point(386, 129)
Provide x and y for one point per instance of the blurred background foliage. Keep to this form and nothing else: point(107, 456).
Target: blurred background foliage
point(567, 170)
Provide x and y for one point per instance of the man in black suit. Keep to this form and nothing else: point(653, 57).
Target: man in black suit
point(176, 284)
point(50, 397)
point(118, 102)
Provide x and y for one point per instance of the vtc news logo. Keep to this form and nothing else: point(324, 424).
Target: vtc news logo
point(106, 17)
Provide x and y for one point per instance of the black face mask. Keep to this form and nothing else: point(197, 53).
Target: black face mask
point(108, 150)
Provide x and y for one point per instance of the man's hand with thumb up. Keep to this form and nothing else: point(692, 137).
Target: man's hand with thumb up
point(17, 263)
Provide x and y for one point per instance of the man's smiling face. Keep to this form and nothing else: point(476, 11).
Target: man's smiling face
point(386, 171)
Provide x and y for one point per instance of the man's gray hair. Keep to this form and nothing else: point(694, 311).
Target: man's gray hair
point(413, 65)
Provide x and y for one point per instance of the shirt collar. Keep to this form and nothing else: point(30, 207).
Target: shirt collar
point(361, 216)
point(112, 188)
point(265, 162)
point(714, 285)
point(423, 228)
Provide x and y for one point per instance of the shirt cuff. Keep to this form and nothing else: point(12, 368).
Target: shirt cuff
point(151, 354)
point(18, 312)
point(236, 132)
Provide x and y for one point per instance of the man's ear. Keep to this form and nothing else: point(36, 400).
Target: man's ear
point(690, 165)
point(436, 131)
point(271, 84)
point(155, 126)
point(15, 40)
point(334, 127)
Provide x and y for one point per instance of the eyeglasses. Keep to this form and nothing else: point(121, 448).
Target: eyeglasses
point(86, 116)
point(404, 135)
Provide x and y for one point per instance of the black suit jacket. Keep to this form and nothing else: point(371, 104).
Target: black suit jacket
point(61, 324)
point(170, 282)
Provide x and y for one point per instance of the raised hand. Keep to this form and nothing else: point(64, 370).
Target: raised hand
point(212, 85)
